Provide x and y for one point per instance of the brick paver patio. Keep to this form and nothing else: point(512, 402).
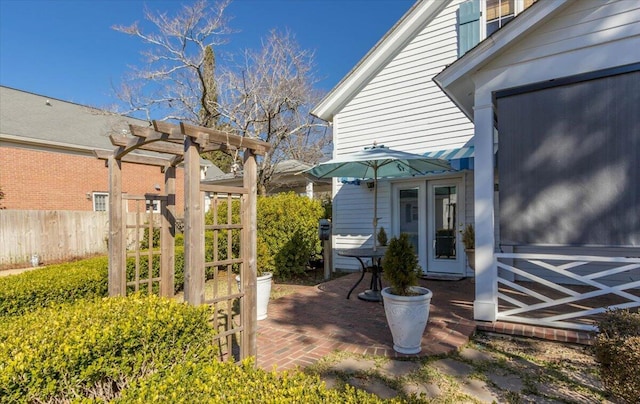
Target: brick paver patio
point(317, 320)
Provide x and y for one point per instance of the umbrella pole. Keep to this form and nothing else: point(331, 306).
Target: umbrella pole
point(375, 208)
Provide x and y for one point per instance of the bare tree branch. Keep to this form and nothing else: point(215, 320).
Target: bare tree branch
point(268, 95)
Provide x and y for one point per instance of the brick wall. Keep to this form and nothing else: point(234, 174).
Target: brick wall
point(59, 180)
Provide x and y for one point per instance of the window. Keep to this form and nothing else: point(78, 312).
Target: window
point(493, 14)
point(499, 12)
point(153, 205)
point(100, 201)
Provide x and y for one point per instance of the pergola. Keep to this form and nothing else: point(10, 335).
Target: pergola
point(170, 145)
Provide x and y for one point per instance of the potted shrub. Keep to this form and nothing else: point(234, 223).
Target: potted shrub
point(469, 241)
point(382, 237)
point(406, 304)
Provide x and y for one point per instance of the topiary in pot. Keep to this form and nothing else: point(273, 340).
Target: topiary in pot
point(406, 304)
point(382, 237)
point(469, 241)
point(400, 265)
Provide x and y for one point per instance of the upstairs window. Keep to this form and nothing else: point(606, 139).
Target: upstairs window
point(100, 201)
point(477, 19)
point(499, 12)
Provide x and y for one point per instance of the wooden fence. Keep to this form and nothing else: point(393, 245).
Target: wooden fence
point(54, 235)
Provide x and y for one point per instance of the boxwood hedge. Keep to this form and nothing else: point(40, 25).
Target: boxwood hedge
point(53, 284)
point(95, 349)
point(138, 349)
point(617, 350)
point(217, 382)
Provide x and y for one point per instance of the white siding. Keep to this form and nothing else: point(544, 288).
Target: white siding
point(401, 108)
point(591, 35)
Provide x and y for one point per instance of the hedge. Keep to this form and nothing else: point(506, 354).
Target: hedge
point(138, 349)
point(96, 348)
point(218, 382)
point(617, 350)
point(287, 236)
point(53, 284)
point(287, 233)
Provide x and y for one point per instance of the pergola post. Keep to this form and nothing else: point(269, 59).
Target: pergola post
point(194, 225)
point(167, 277)
point(249, 249)
point(117, 253)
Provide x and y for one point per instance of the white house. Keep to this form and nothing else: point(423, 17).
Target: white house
point(552, 166)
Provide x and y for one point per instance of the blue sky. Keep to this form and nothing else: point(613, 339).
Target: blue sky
point(66, 49)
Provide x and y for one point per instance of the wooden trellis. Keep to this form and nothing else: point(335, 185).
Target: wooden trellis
point(173, 145)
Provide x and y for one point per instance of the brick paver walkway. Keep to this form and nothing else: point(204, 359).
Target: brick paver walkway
point(315, 321)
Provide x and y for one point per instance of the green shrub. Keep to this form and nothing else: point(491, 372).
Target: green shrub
point(218, 382)
point(53, 284)
point(617, 350)
point(178, 279)
point(221, 243)
point(400, 265)
point(96, 348)
point(144, 243)
point(287, 233)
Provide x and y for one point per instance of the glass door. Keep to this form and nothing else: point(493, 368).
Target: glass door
point(410, 215)
point(444, 211)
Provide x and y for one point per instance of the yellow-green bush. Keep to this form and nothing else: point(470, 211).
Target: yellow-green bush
point(287, 233)
point(53, 284)
point(178, 280)
point(217, 382)
point(96, 348)
point(617, 350)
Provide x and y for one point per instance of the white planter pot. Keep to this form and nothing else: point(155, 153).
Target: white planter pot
point(407, 317)
point(263, 293)
point(471, 257)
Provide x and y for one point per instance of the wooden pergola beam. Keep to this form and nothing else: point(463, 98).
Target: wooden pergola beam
point(128, 144)
point(135, 158)
point(149, 133)
point(213, 139)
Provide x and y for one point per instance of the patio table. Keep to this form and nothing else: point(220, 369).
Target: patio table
point(373, 294)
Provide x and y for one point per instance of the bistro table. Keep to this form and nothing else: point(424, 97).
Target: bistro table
point(373, 294)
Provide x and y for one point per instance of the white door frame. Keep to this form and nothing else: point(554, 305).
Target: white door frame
point(445, 266)
point(421, 186)
point(425, 212)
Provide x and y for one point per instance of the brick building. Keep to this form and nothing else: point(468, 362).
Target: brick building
point(47, 160)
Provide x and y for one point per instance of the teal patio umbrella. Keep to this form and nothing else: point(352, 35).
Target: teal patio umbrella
point(377, 162)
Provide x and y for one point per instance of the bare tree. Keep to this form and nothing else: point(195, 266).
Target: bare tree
point(268, 96)
point(177, 81)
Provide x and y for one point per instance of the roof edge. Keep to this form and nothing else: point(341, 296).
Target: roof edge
point(22, 140)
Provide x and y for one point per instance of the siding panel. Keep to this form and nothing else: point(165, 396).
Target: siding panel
point(401, 108)
point(589, 24)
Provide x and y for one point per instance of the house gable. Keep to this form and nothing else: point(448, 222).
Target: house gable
point(410, 25)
